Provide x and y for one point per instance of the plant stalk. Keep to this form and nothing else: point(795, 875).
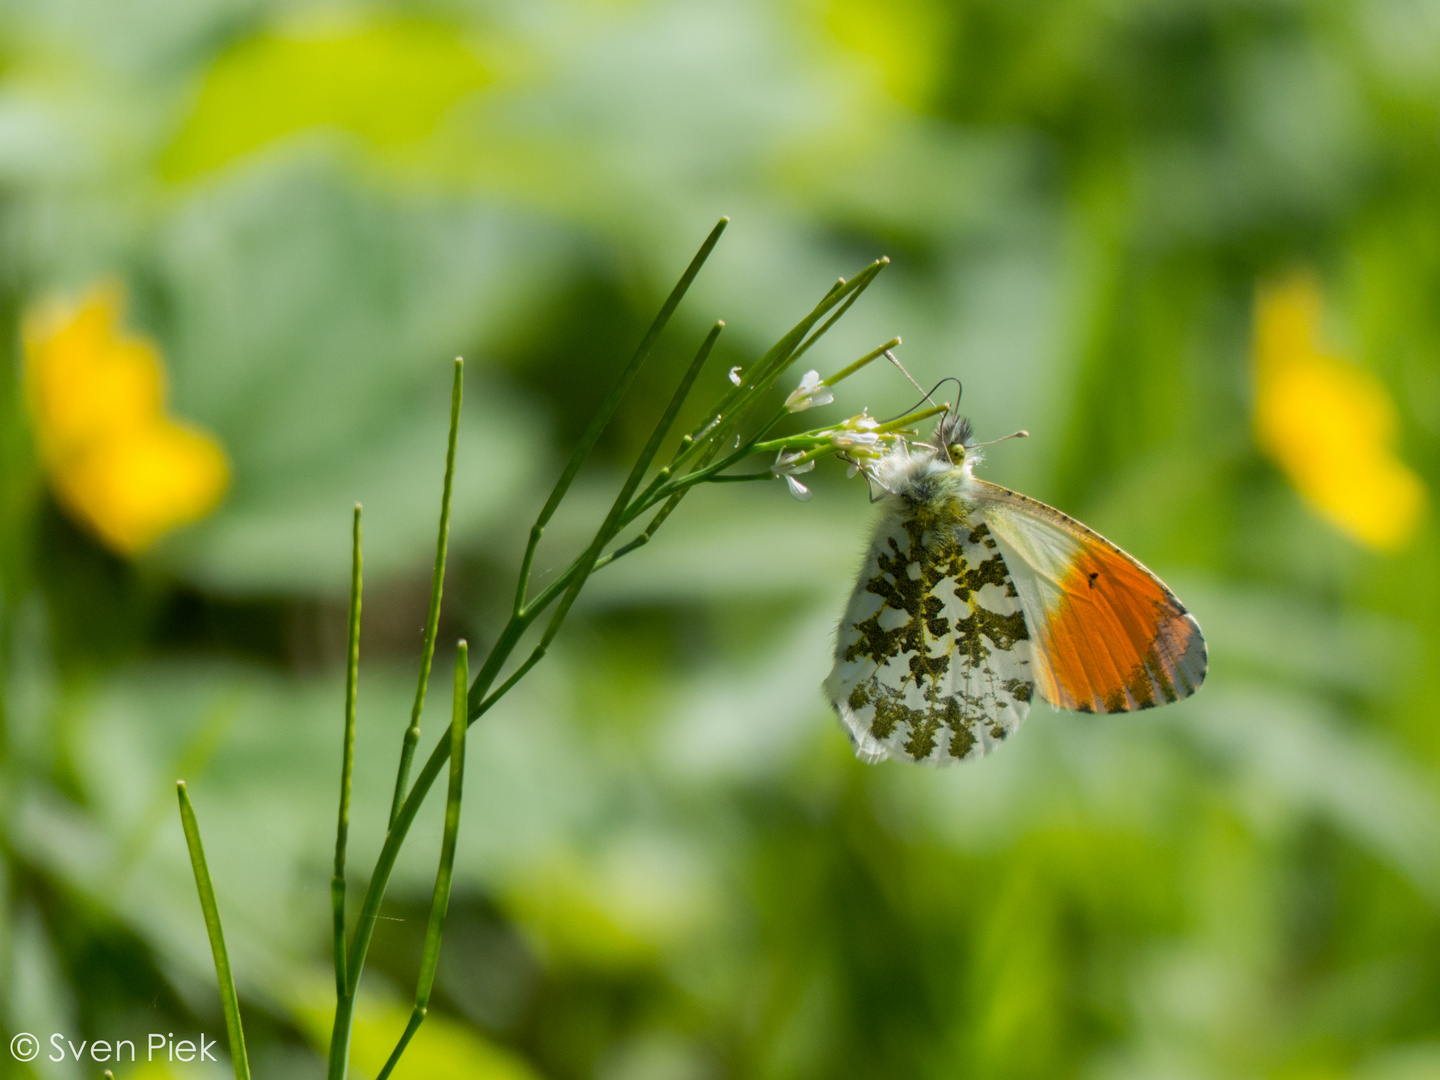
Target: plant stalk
point(347, 760)
point(229, 1000)
point(437, 584)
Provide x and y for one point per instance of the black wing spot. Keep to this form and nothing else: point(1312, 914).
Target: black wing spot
point(1093, 575)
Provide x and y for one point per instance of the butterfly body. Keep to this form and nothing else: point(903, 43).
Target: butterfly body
point(974, 599)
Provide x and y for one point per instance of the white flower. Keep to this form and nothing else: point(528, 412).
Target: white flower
point(857, 436)
point(855, 440)
point(735, 375)
point(787, 464)
point(808, 394)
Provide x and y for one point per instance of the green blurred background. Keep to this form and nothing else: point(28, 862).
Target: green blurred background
point(671, 868)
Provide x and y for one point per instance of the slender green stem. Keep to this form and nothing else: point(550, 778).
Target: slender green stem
point(440, 901)
point(611, 403)
point(478, 703)
point(613, 520)
point(862, 282)
point(522, 583)
point(340, 1037)
point(752, 375)
point(642, 351)
point(390, 849)
point(782, 360)
point(800, 339)
point(510, 635)
point(347, 761)
point(534, 658)
point(677, 399)
point(705, 440)
point(379, 879)
point(671, 491)
point(417, 1017)
point(704, 443)
point(229, 1001)
point(874, 354)
point(437, 584)
point(737, 404)
point(642, 539)
point(668, 419)
point(607, 530)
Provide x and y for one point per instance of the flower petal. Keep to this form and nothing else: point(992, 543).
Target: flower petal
point(115, 459)
point(785, 463)
point(809, 393)
point(1330, 424)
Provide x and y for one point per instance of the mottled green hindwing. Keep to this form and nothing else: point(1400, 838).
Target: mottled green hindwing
point(932, 658)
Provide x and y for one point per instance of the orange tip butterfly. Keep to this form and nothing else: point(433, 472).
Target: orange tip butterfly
point(973, 598)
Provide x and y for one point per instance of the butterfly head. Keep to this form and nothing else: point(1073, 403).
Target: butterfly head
point(955, 436)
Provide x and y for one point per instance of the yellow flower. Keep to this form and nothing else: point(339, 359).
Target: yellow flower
point(115, 461)
point(1330, 425)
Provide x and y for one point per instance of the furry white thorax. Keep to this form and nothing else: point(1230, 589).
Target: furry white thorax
point(921, 474)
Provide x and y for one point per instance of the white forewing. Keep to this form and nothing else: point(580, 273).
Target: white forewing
point(1038, 555)
point(932, 659)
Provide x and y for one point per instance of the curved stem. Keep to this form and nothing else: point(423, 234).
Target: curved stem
point(437, 584)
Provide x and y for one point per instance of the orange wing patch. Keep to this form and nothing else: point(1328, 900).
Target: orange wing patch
point(1111, 636)
point(1117, 636)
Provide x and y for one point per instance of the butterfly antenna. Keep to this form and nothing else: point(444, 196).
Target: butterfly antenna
point(909, 378)
point(1021, 434)
point(930, 397)
point(923, 395)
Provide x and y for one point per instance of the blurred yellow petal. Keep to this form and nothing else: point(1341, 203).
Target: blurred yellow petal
point(136, 489)
point(115, 461)
point(1331, 426)
point(87, 381)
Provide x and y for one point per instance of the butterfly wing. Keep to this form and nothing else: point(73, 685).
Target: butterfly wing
point(1108, 635)
point(932, 658)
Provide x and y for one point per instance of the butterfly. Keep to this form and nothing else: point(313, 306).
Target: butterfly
point(973, 598)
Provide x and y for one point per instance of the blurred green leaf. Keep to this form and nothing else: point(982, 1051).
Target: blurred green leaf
point(330, 376)
point(390, 85)
point(441, 1050)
